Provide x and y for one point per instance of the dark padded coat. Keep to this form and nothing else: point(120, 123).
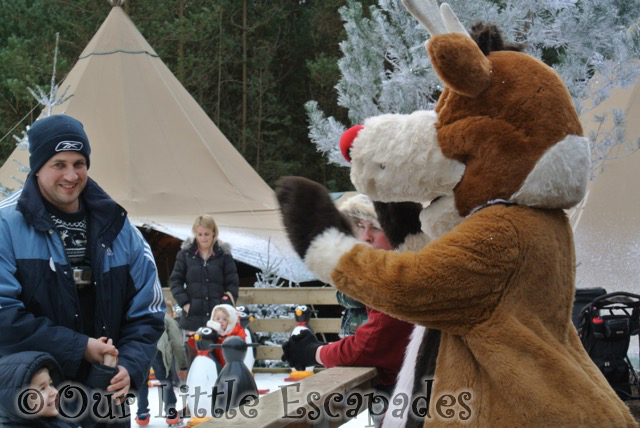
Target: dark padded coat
point(16, 371)
point(39, 306)
point(203, 283)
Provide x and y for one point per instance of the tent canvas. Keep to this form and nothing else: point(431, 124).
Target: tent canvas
point(155, 151)
point(607, 229)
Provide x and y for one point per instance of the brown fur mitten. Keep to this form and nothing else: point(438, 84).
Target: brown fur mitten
point(307, 210)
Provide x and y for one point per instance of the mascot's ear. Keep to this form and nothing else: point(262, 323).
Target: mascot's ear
point(460, 63)
point(455, 57)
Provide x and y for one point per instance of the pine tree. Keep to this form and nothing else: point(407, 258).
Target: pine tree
point(385, 69)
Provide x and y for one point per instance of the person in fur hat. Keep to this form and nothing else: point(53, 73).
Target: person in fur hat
point(204, 274)
point(224, 321)
point(360, 210)
point(380, 342)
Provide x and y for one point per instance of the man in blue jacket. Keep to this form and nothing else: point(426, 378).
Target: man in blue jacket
point(72, 267)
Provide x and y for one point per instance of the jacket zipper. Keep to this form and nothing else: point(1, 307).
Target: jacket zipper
point(54, 231)
point(98, 273)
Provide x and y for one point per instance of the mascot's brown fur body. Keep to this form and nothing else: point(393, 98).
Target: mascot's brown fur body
point(487, 286)
point(505, 158)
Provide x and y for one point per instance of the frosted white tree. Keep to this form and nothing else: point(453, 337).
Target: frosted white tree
point(385, 68)
point(47, 100)
point(268, 277)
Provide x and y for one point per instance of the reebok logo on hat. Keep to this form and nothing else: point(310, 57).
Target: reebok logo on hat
point(65, 146)
point(54, 134)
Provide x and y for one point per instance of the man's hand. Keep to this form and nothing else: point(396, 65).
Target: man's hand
point(187, 307)
point(182, 375)
point(300, 350)
point(108, 359)
point(120, 384)
point(307, 210)
point(96, 349)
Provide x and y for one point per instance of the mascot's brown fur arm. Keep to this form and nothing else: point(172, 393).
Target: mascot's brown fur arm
point(500, 288)
point(453, 284)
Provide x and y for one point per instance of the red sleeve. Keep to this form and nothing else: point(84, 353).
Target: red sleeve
point(239, 331)
point(380, 342)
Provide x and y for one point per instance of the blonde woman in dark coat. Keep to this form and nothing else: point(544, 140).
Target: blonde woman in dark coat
point(204, 275)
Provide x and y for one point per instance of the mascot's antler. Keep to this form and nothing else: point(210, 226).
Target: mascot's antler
point(436, 20)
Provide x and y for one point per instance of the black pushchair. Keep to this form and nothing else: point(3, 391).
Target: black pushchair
point(605, 327)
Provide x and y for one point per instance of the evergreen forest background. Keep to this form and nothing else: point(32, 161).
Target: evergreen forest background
point(251, 65)
point(283, 79)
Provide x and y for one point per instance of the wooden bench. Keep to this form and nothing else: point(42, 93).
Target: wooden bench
point(297, 296)
point(282, 408)
point(278, 296)
point(319, 400)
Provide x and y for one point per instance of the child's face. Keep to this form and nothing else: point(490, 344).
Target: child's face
point(222, 318)
point(46, 400)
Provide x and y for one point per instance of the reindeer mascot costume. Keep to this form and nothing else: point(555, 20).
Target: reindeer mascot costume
point(494, 166)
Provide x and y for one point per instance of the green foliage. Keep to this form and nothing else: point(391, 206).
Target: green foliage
point(291, 55)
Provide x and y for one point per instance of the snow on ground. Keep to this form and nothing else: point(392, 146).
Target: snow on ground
point(269, 381)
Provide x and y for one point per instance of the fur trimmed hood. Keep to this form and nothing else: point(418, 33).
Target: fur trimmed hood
point(218, 246)
point(232, 313)
point(359, 207)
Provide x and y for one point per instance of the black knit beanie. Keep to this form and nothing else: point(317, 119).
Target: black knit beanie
point(54, 134)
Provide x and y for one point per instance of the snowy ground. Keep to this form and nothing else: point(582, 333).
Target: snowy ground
point(272, 382)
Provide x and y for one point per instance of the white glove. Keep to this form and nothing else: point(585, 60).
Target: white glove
point(215, 325)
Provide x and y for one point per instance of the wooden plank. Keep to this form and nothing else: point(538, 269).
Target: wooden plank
point(280, 408)
point(296, 296)
point(265, 352)
point(281, 369)
point(319, 325)
point(270, 370)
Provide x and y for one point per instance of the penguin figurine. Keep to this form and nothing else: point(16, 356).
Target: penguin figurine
point(245, 319)
point(235, 384)
point(302, 317)
point(202, 375)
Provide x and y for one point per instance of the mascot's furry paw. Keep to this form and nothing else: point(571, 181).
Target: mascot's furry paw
point(398, 220)
point(307, 210)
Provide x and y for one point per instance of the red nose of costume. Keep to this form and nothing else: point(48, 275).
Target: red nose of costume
point(347, 140)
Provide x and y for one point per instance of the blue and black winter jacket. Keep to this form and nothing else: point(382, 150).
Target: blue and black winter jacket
point(39, 306)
